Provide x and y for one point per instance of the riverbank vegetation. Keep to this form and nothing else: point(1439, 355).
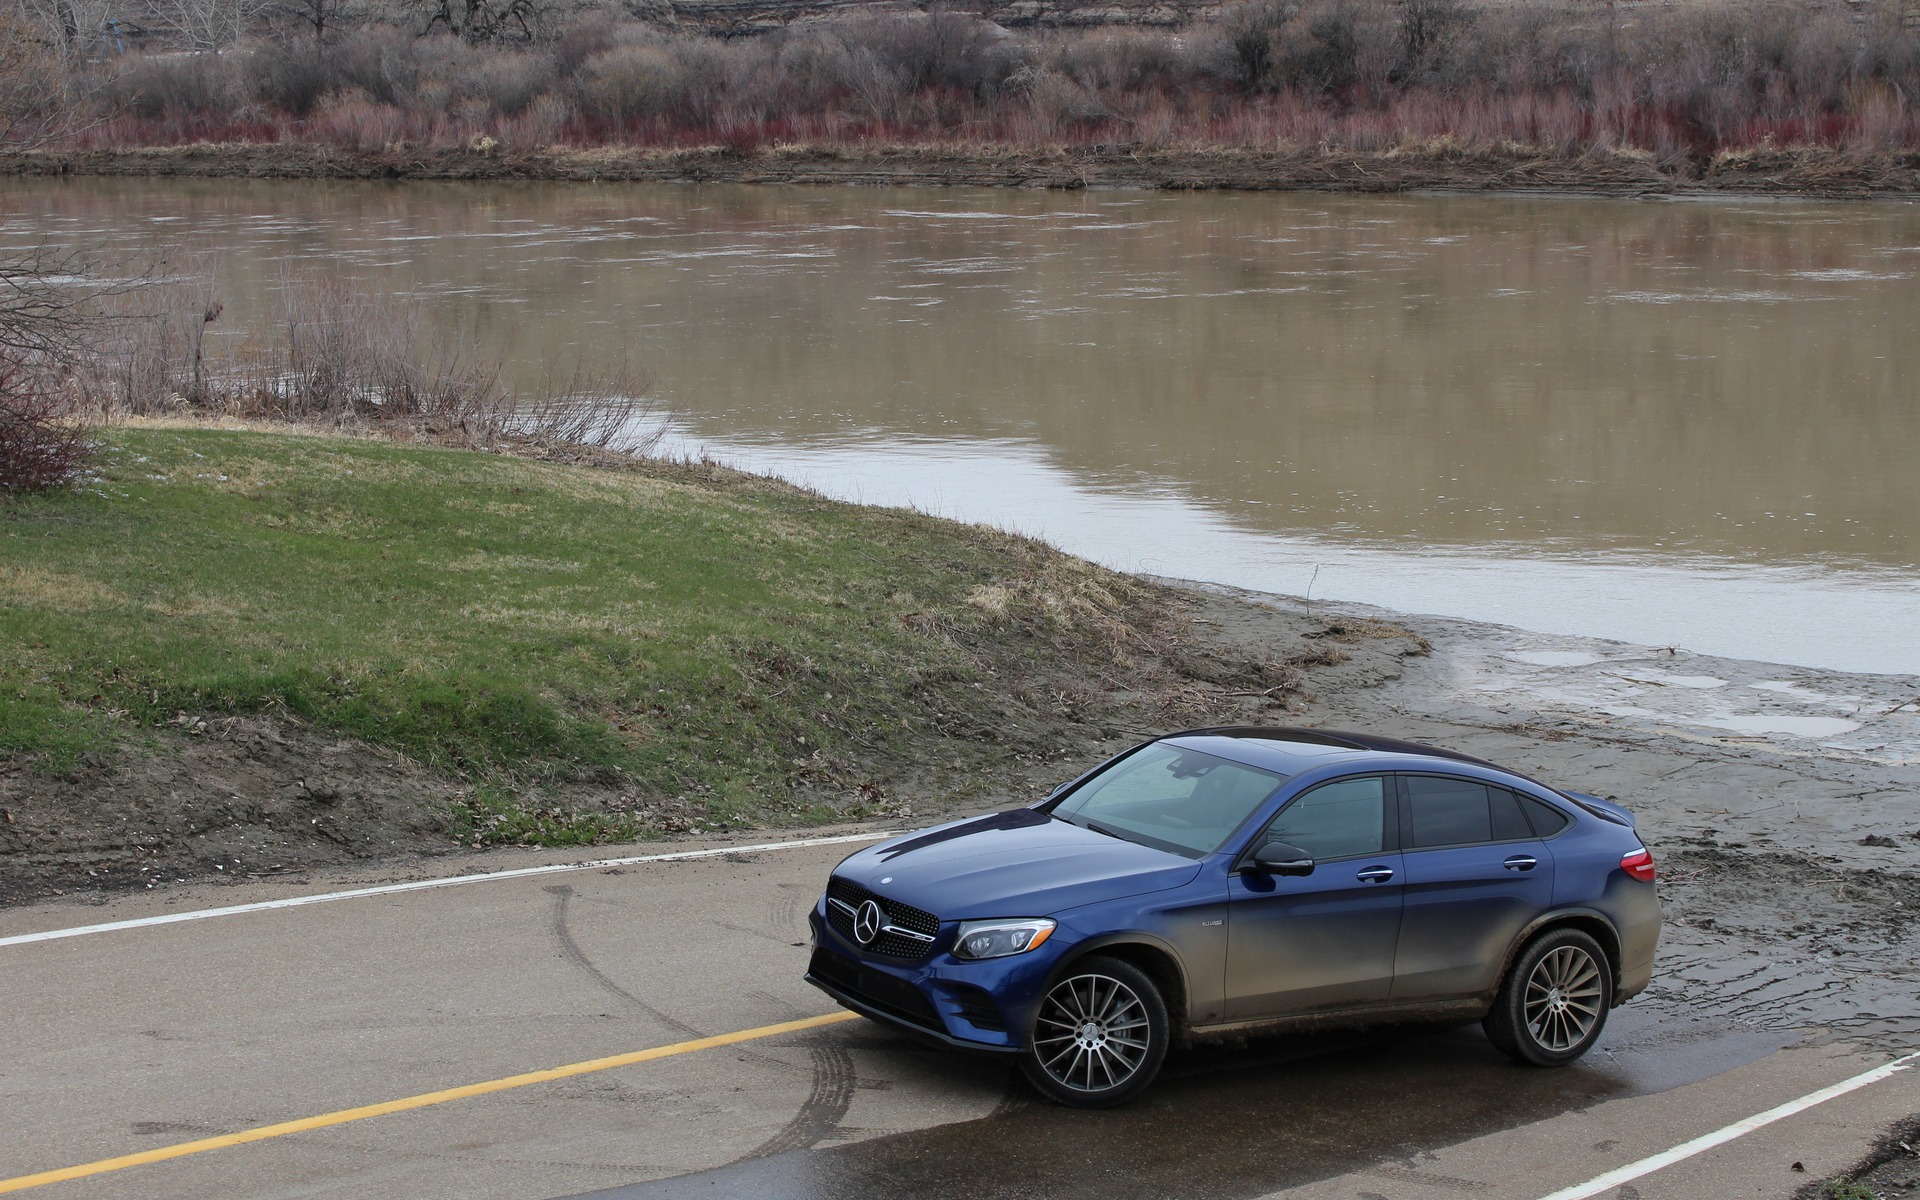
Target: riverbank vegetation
point(1677, 85)
point(77, 351)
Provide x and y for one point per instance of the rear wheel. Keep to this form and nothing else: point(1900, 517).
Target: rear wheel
point(1099, 1035)
point(1554, 1001)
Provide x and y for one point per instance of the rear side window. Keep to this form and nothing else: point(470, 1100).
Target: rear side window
point(1545, 818)
point(1448, 812)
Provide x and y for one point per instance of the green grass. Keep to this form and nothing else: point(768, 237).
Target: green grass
point(666, 632)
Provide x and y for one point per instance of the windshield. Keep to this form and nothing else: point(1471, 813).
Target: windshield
point(1170, 798)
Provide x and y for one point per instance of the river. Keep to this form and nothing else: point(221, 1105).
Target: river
point(1687, 424)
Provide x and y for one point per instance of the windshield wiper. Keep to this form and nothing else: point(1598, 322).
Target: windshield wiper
point(1115, 834)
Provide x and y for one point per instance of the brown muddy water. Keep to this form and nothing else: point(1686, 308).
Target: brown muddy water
point(1684, 424)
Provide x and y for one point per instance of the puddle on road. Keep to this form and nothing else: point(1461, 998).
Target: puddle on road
point(1227, 1122)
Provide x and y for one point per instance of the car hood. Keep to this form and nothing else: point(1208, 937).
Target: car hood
point(1022, 863)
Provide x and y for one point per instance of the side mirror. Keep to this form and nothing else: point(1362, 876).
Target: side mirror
point(1278, 858)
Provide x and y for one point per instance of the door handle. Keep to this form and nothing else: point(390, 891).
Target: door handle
point(1522, 862)
point(1375, 875)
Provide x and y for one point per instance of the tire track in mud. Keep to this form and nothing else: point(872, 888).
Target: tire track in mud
point(828, 1098)
point(823, 1110)
point(558, 924)
point(563, 933)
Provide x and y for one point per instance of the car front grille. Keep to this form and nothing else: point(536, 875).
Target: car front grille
point(889, 945)
point(895, 997)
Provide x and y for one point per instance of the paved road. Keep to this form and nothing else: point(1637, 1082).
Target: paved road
point(137, 1039)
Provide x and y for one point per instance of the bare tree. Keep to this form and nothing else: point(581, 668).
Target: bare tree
point(324, 17)
point(80, 29)
point(210, 25)
point(40, 91)
point(496, 20)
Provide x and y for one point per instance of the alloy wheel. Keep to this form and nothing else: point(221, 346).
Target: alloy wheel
point(1092, 1033)
point(1563, 998)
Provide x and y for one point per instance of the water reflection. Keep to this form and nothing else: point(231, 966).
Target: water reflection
point(1701, 415)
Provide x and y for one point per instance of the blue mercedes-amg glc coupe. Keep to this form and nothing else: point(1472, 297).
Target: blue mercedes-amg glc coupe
point(1238, 879)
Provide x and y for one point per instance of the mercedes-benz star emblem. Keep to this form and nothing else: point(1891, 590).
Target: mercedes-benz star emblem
point(867, 920)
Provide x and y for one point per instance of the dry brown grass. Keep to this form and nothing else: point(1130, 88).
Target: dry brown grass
point(1357, 629)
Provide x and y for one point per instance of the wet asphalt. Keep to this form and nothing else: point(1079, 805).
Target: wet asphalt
point(222, 1025)
point(1239, 1120)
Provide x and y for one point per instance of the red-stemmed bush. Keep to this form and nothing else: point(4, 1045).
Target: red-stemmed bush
point(43, 444)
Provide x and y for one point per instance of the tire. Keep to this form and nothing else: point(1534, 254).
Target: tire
point(1099, 1035)
point(1554, 1002)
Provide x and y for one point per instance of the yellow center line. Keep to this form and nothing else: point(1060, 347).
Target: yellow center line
point(21, 1183)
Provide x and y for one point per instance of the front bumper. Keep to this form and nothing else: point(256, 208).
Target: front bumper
point(891, 1016)
point(985, 1005)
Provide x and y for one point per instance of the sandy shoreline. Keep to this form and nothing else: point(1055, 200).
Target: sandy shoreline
point(1850, 741)
point(1785, 172)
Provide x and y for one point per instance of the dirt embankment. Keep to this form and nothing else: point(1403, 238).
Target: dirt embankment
point(1784, 172)
point(253, 796)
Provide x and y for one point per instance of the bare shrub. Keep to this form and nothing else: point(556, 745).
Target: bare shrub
point(885, 59)
point(1337, 44)
point(542, 123)
point(352, 118)
point(1059, 102)
point(39, 89)
point(342, 355)
point(293, 81)
point(387, 64)
point(179, 85)
point(1681, 82)
point(509, 82)
point(1248, 32)
point(632, 82)
point(1122, 61)
point(1431, 32)
point(42, 444)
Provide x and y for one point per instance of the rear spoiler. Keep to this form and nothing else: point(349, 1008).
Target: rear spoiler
point(1606, 810)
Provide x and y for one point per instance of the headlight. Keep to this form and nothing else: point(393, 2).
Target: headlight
point(997, 939)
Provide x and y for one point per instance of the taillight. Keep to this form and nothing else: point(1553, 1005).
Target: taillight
point(1639, 865)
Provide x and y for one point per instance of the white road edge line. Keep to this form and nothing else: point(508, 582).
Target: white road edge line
point(1707, 1141)
point(203, 914)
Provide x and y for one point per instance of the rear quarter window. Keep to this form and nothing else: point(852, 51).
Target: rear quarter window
point(1545, 818)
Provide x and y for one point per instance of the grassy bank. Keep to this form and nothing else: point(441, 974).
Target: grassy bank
point(246, 649)
point(667, 631)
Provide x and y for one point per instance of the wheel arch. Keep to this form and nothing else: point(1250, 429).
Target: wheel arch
point(1589, 921)
point(1160, 961)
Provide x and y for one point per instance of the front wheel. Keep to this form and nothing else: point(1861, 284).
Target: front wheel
point(1555, 1000)
point(1099, 1035)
